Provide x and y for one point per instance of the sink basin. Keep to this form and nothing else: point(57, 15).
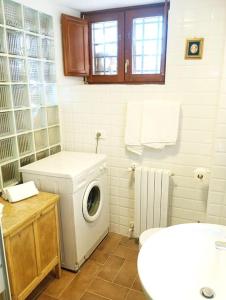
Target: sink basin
point(178, 261)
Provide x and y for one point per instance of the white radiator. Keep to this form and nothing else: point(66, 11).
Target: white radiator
point(151, 198)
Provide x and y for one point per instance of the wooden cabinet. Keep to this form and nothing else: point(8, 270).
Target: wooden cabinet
point(21, 256)
point(48, 242)
point(75, 46)
point(31, 237)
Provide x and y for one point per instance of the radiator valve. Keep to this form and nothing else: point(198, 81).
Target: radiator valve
point(131, 229)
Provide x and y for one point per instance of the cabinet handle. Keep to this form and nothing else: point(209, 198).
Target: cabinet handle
point(126, 66)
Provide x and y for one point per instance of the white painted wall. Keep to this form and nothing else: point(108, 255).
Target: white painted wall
point(196, 84)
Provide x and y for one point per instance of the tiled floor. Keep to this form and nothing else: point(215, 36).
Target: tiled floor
point(110, 273)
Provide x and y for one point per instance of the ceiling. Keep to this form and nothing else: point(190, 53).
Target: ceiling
point(89, 5)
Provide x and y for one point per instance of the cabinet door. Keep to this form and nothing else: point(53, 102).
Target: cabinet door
point(47, 237)
point(22, 259)
point(75, 46)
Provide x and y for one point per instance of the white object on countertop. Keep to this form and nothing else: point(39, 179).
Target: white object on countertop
point(133, 127)
point(20, 191)
point(160, 124)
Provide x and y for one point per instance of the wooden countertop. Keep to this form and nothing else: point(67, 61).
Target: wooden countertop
point(18, 213)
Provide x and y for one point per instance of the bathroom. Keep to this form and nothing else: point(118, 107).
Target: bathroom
point(196, 161)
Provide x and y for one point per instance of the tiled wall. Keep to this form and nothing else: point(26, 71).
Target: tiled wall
point(217, 191)
point(88, 108)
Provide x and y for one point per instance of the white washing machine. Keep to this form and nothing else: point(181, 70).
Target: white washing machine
point(81, 181)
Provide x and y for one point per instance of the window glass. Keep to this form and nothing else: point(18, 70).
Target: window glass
point(105, 48)
point(147, 41)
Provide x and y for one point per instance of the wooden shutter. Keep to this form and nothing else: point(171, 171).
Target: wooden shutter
point(75, 46)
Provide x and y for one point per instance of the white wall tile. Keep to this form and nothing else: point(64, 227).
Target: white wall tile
point(196, 84)
point(217, 192)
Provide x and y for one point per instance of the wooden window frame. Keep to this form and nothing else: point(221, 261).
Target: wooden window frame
point(142, 13)
point(125, 16)
point(118, 16)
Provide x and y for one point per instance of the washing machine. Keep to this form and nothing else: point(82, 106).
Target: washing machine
point(81, 181)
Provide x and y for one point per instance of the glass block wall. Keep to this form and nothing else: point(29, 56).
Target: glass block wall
point(29, 119)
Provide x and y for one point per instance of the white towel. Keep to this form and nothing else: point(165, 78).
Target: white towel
point(21, 191)
point(160, 122)
point(133, 127)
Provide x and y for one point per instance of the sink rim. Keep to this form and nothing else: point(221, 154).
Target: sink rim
point(196, 229)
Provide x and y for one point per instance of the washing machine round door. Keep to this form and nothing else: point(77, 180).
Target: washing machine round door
point(92, 202)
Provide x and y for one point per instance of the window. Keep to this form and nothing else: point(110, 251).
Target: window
point(106, 41)
point(146, 45)
point(104, 48)
point(128, 45)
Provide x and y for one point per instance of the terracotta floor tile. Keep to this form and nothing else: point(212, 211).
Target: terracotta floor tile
point(111, 268)
point(137, 285)
point(110, 243)
point(108, 289)
point(41, 287)
point(57, 286)
point(114, 235)
point(81, 282)
point(113, 260)
point(44, 297)
point(99, 256)
point(130, 243)
point(127, 253)
point(127, 274)
point(90, 296)
point(135, 295)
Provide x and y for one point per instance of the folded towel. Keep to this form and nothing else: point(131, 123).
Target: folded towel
point(160, 122)
point(133, 127)
point(19, 192)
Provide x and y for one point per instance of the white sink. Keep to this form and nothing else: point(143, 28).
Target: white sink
point(178, 261)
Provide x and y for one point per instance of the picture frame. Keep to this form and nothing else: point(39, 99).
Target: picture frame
point(194, 48)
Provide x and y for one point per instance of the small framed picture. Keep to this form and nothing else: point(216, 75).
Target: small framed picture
point(194, 48)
